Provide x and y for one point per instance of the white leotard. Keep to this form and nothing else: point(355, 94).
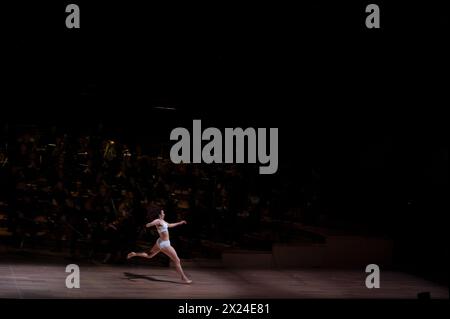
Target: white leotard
point(163, 228)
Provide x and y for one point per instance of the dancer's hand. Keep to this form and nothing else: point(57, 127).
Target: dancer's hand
point(183, 222)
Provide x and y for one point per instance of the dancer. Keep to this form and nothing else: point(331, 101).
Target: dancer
point(163, 244)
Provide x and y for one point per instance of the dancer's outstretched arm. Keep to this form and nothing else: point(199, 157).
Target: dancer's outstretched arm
point(177, 224)
point(153, 223)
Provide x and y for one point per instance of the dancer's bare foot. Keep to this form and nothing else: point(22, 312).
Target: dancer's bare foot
point(187, 280)
point(131, 255)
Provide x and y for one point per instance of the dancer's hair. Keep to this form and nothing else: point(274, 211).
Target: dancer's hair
point(155, 215)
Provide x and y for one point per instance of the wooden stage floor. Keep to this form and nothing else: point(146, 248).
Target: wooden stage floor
point(32, 278)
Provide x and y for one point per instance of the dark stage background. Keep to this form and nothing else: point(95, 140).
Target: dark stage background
point(360, 112)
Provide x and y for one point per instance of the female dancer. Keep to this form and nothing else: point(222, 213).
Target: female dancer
point(163, 244)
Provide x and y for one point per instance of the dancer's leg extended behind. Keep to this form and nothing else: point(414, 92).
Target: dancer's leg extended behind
point(152, 253)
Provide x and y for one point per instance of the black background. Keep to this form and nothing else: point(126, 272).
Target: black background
point(343, 96)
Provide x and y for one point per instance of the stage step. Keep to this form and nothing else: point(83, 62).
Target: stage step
point(300, 255)
point(338, 252)
point(247, 258)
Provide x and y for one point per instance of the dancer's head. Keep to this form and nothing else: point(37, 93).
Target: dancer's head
point(161, 214)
